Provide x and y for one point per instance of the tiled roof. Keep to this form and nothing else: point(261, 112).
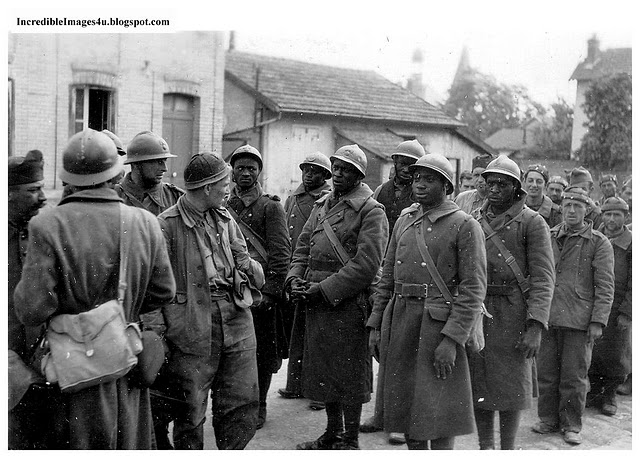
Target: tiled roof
point(609, 62)
point(509, 139)
point(293, 86)
point(380, 142)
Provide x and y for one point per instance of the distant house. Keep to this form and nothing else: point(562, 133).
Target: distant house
point(598, 64)
point(515, 142)
point(169, 83)
point(288, 109)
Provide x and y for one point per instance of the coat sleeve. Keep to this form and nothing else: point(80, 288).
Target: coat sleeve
point(278, 249)
point(362, 268)
point(603, 280)
point(625, 306)
point(541, 270)
point(300, 260)
point(35, 296)
point(472, 286)
point(241, 255)
point(161, 288)
point(383, 291)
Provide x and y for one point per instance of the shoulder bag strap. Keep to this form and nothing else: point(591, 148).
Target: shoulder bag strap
point(431, 266)
point(342, 254)
point(506, 254)
point(250, 235)
point(125, 242)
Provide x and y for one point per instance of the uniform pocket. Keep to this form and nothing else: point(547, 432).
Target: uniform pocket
point(439, 312)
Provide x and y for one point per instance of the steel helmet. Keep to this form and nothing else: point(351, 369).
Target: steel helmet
point(204, 168)
point(504, 166)
point(438, 163)
point(147, 146)
point(318, 159)
point(116, 140)
point(411, 149)
point(353, 155)
point(246, 151)
point(90, 158)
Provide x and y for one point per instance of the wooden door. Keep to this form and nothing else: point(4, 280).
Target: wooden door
point(177, 130)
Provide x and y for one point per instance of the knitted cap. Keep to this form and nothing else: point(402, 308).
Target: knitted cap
point(26, 169)
point(541, 169)
point(614, 203)
point(575, 193)
point(558, 179)
point(608, 177)
point(579, 175)
point(481, 161)
point(204, 168)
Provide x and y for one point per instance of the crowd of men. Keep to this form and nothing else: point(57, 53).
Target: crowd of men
point(234, 282)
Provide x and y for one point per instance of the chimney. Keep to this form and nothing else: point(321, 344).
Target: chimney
point(232, 40)
point(593, 49)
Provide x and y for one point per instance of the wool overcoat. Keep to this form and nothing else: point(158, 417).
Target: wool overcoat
point(336, 362)
point(298, 207)
point(500, 373)
point(72, 265)
point(415, 401)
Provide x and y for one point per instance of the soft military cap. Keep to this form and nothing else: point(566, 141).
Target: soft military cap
point(559, 180)
point(608, 177)
point(576, 193)
point(26, 169)
point(579, 175)
point(541, 169)
point(203, 169)
point(481, 161)
point(614, 203)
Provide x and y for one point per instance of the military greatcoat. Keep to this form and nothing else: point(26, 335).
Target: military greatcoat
point(412, 326)
point(336, 363)
point(500, 373)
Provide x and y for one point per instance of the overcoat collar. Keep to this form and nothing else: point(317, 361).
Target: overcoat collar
point(94, 194)
point(623, 240)
point(355, 199)
point(154, 193)
point(249, 196)
point(314, 193)
point(446, 208)
point(191, 216)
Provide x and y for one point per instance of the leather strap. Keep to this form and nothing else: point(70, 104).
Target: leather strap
point(250, 235)
point(125, 243)
point(342, 254)
point(489, 233)
point(431, 267)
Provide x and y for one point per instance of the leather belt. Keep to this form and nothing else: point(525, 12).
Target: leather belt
point(328, 265)
point(421, 290)
point(501, 290)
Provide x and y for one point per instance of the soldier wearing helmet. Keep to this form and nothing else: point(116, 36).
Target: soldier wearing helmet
point(72, 264)
point(263, 223)
point(147, 153)
point(395, 194)
point(316, 170)
point(520, 277)
point(216, 357)
point(422, 349)
point(334, 289)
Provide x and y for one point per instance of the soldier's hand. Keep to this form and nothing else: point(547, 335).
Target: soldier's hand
point(445, 358)
point(374, 343)
point(529, 344)
point(313, 294)
point(267, 303)
point(298, 287)
point(594, 332)
point(623, 322)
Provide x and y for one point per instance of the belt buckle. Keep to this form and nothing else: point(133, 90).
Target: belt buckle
point(426, 290)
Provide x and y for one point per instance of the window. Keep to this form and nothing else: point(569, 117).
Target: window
point(92, 107)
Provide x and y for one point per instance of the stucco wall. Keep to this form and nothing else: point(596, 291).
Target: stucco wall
point(579, 117)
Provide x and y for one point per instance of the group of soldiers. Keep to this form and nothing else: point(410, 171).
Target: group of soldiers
point(235, 282)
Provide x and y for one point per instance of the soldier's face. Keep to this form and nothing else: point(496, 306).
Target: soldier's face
point(466, 184)
point(428, 187)
point(345, 176)
point(501, 190)
point(534, 184)
point(608, 189)
point(245, 172)
point(573, 212)
point(554, 192)
point(312, 176)
point(401, 164)
point(627, 195)
point(25, 200)
point(613, 220)
point(478, 180)
point(218, 193)
point(152, 171)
